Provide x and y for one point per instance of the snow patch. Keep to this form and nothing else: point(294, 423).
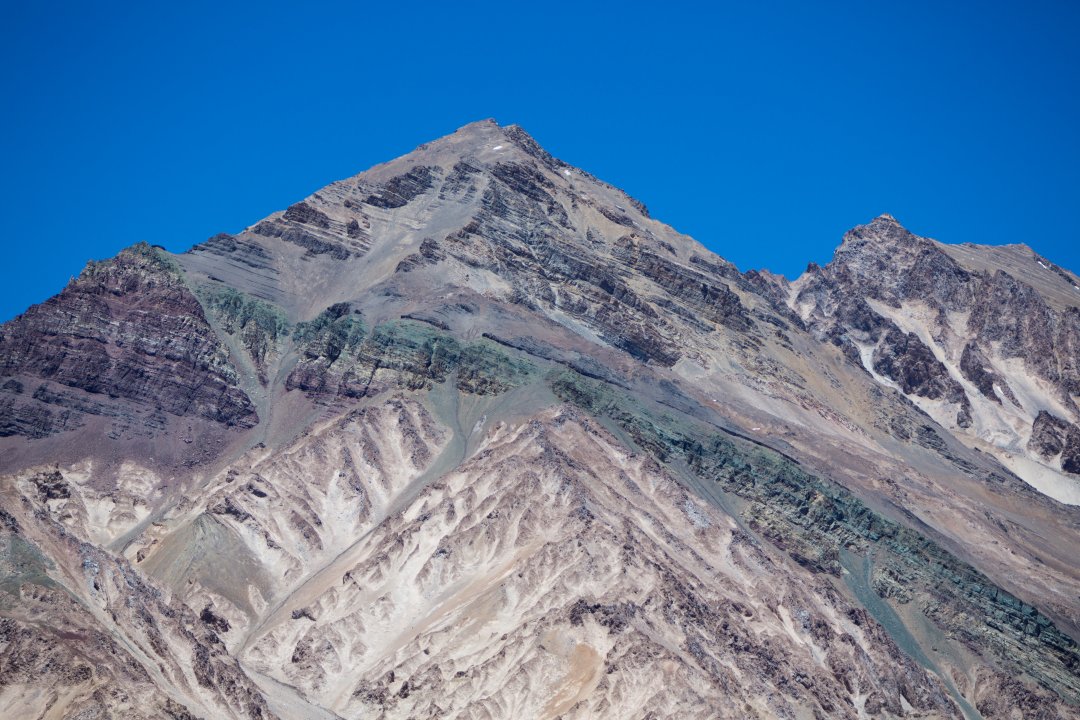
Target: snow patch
point(866, 355)
point(999, 428)
point(1046, 480)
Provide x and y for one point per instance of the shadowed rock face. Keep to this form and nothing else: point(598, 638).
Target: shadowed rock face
point(402, 189)
point(905, 359)
point(1054, 438)
point(471, 435)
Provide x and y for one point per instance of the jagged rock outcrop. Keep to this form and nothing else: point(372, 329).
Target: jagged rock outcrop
point(1055, 439)
point(340, 358)
point(903, 358)
point(987, 337)
point(257, 326)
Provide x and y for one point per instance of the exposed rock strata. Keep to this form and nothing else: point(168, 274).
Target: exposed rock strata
point(127, 337)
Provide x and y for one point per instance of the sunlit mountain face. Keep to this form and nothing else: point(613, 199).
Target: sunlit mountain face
point(470, 435)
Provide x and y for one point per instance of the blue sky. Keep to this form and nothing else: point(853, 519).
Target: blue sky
point(764, 130)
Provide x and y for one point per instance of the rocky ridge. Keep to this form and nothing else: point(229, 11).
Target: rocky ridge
point(985, 342)
point(125, 350)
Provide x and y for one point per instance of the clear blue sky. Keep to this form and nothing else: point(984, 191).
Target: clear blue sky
point(764, 129)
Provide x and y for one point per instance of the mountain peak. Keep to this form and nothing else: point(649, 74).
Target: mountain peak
point(479, 144)
point(467, 138)
point(478, 128)
point(883, 234)
point(884, 227)
point(485, 132)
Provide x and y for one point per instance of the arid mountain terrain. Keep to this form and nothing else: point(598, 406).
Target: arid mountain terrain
point(470, 435)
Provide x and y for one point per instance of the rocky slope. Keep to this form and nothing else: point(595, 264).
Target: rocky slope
point(985, 340)
point(471, 435)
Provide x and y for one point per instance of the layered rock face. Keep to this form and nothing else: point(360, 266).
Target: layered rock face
point(125, 348)
point(472, 435)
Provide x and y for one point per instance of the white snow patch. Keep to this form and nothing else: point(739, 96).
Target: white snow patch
point(998, 391)
point(497, 147)
point(866, 355)
point(1004, 428)
point(1046, 480)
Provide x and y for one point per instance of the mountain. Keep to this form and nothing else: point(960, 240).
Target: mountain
point(471, 435)
point(983, 339)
